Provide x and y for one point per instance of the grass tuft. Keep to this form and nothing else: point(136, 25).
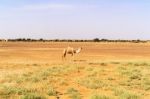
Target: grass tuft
point(124, 94)
point(92, 82)
point(32, 96)
point(99, 96)
point(73, 93)
point(51, 92)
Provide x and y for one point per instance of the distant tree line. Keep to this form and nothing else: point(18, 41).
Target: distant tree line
point(71, 40)
point(107, 40)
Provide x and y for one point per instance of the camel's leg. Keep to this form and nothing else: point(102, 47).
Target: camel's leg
point(72, 56)
point(64, 57)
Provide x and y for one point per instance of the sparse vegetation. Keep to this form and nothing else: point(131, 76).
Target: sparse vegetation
point(99, 96)
point(92, 82)
point(124, 94)
point(32, 96)
point(73, 93)
point(51, 92)
point(35, 71)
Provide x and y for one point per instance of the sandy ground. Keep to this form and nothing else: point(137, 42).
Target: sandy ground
point(52, 52)
point(16, 58)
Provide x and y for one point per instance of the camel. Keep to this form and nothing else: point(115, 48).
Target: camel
point(70, 50)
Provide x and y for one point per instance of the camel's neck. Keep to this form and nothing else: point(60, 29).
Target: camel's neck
point(78, 50)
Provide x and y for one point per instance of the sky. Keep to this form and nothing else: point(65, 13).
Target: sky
point(75, 19)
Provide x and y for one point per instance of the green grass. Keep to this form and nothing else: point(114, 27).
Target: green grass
point(41, 75)
point(5, 90)
point(73, 93)
point(136, 75)
point(72, 90)
point(125, 94)
point(121, 81)
point(8, 92)
point(52, 92)
point(92, 82)
point(33, 96)
point(137, 63)
point(146, 83)
point(100, 96)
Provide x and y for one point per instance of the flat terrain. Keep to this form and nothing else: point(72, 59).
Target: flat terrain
point(35, 70)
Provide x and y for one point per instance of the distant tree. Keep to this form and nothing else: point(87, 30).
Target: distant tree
point(137, 41)
point(23, 39)
point(28, 39)
point(40, 39)
point(19, 39)
point(69, 40)
point(96, 40)
point(56, 40)
point(104, 40)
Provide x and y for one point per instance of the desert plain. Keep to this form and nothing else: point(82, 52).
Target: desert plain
point(103, 70)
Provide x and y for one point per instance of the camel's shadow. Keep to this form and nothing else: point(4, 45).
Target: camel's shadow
point(79, 60)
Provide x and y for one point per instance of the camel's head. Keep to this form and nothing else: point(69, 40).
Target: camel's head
point(79, 50)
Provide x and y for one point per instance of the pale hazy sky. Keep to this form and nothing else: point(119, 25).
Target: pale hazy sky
point(75, 19)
